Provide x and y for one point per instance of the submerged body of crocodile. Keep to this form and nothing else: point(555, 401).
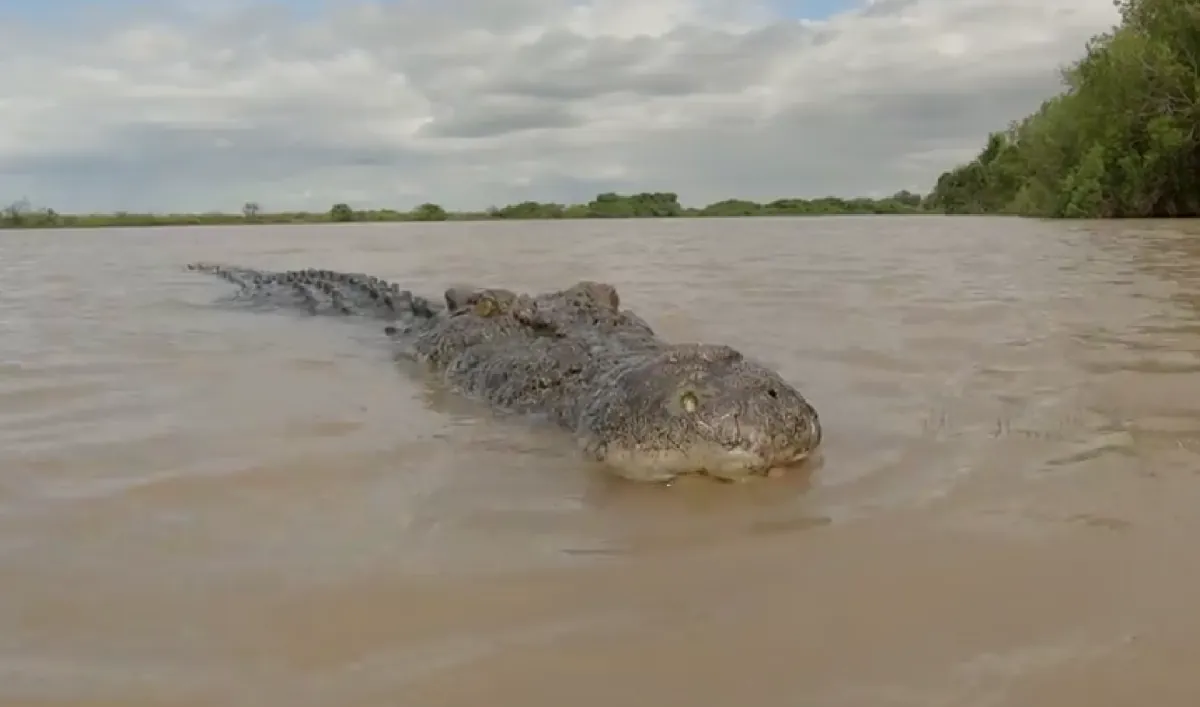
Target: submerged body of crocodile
point(649, 409)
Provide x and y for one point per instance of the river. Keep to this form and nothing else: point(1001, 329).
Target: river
point(206, 506)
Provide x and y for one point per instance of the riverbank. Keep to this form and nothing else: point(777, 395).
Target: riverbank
point(648, 205)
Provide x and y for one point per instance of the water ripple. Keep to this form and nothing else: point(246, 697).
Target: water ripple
point(160, 454)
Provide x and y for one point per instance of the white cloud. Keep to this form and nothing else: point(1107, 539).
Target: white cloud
point(477, 102)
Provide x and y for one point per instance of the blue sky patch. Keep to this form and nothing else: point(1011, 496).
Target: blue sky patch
point(814, 9)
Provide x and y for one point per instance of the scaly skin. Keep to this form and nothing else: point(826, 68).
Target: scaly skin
point(648, 409)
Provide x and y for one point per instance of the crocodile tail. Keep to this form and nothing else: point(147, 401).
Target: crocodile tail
point(321, 292)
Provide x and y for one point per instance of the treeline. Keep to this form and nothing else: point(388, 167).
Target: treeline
point(1122, 141)
point(610, 205)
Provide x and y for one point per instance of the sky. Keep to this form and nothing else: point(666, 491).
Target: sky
point(199, 105)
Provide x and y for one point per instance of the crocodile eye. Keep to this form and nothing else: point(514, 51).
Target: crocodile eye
point(689, 401)
point(485, 307)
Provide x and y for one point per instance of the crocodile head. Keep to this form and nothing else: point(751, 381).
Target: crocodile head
point(697, 409)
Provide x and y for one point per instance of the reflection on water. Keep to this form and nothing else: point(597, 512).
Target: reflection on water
point(207, 506)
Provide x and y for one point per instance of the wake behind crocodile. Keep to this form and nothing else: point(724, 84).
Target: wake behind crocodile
point(648, 409)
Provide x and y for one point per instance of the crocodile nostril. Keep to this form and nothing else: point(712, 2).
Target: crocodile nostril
point(772, 393)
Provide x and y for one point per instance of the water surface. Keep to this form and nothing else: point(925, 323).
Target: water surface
point(204, 506)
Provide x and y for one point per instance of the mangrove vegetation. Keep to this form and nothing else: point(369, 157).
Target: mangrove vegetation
point(1121, 141)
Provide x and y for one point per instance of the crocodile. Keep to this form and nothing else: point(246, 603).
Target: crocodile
point(647, 409)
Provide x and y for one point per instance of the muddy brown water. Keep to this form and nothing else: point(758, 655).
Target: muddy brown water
point(203, 506)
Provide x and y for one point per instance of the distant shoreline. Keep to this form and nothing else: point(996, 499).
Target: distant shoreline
point(23, 215)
